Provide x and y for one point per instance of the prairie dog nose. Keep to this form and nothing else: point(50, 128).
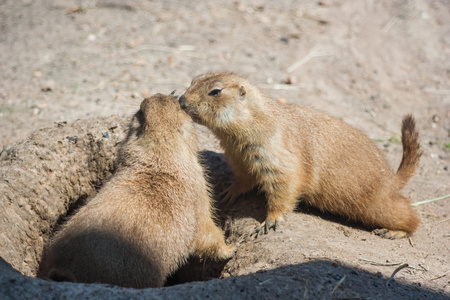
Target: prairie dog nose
point(182, 101)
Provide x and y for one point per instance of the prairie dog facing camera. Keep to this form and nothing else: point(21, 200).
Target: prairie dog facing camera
point(152, 214)
point(290, 151)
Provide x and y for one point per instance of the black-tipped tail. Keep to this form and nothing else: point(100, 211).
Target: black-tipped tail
point(411, 150)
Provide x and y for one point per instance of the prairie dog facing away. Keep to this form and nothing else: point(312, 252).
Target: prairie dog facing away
point(290, 151)
point(150, 216)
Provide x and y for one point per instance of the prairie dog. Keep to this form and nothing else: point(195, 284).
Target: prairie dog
point(150, 216)
point(290, 151)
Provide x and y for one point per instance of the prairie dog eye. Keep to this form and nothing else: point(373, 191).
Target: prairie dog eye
point(215, 93)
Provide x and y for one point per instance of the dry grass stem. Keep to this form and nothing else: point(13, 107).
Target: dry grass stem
point(337, 285)
point(187, 50)
point(287, 87)
point(376, 263)
point(437, 91)
point(314, 52)
point(395, 272)
point(430, 200)
point(442, 221)
point(440, 276)
point(390, 24)
point(305, 294)
point(265, 281)
point(381, 263)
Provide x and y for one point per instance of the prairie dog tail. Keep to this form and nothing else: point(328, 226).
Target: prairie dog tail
point(411, 150)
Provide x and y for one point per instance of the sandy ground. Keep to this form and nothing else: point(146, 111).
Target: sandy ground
point(367, 62)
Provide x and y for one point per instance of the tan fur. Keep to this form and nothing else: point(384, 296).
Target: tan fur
point(153, 213)
point(291, 151)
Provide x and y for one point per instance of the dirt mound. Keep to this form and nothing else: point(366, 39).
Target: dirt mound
point(46, 175)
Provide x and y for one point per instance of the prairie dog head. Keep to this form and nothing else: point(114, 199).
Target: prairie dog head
point(160, 125)
point(218, 100)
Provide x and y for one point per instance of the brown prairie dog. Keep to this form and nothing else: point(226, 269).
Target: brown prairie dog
point(150, 216)
point(290, 151)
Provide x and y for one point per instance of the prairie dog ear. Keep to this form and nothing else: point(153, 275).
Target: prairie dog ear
point(242, 92)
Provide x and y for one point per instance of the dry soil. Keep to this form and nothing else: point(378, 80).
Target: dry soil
point(69, 65)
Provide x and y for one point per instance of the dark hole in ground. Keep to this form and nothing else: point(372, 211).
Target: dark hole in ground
point(197, 269)
point(73, 208)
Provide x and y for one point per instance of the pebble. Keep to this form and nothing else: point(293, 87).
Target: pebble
point(37, 74)
point(91, 37)
point(291, 80)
